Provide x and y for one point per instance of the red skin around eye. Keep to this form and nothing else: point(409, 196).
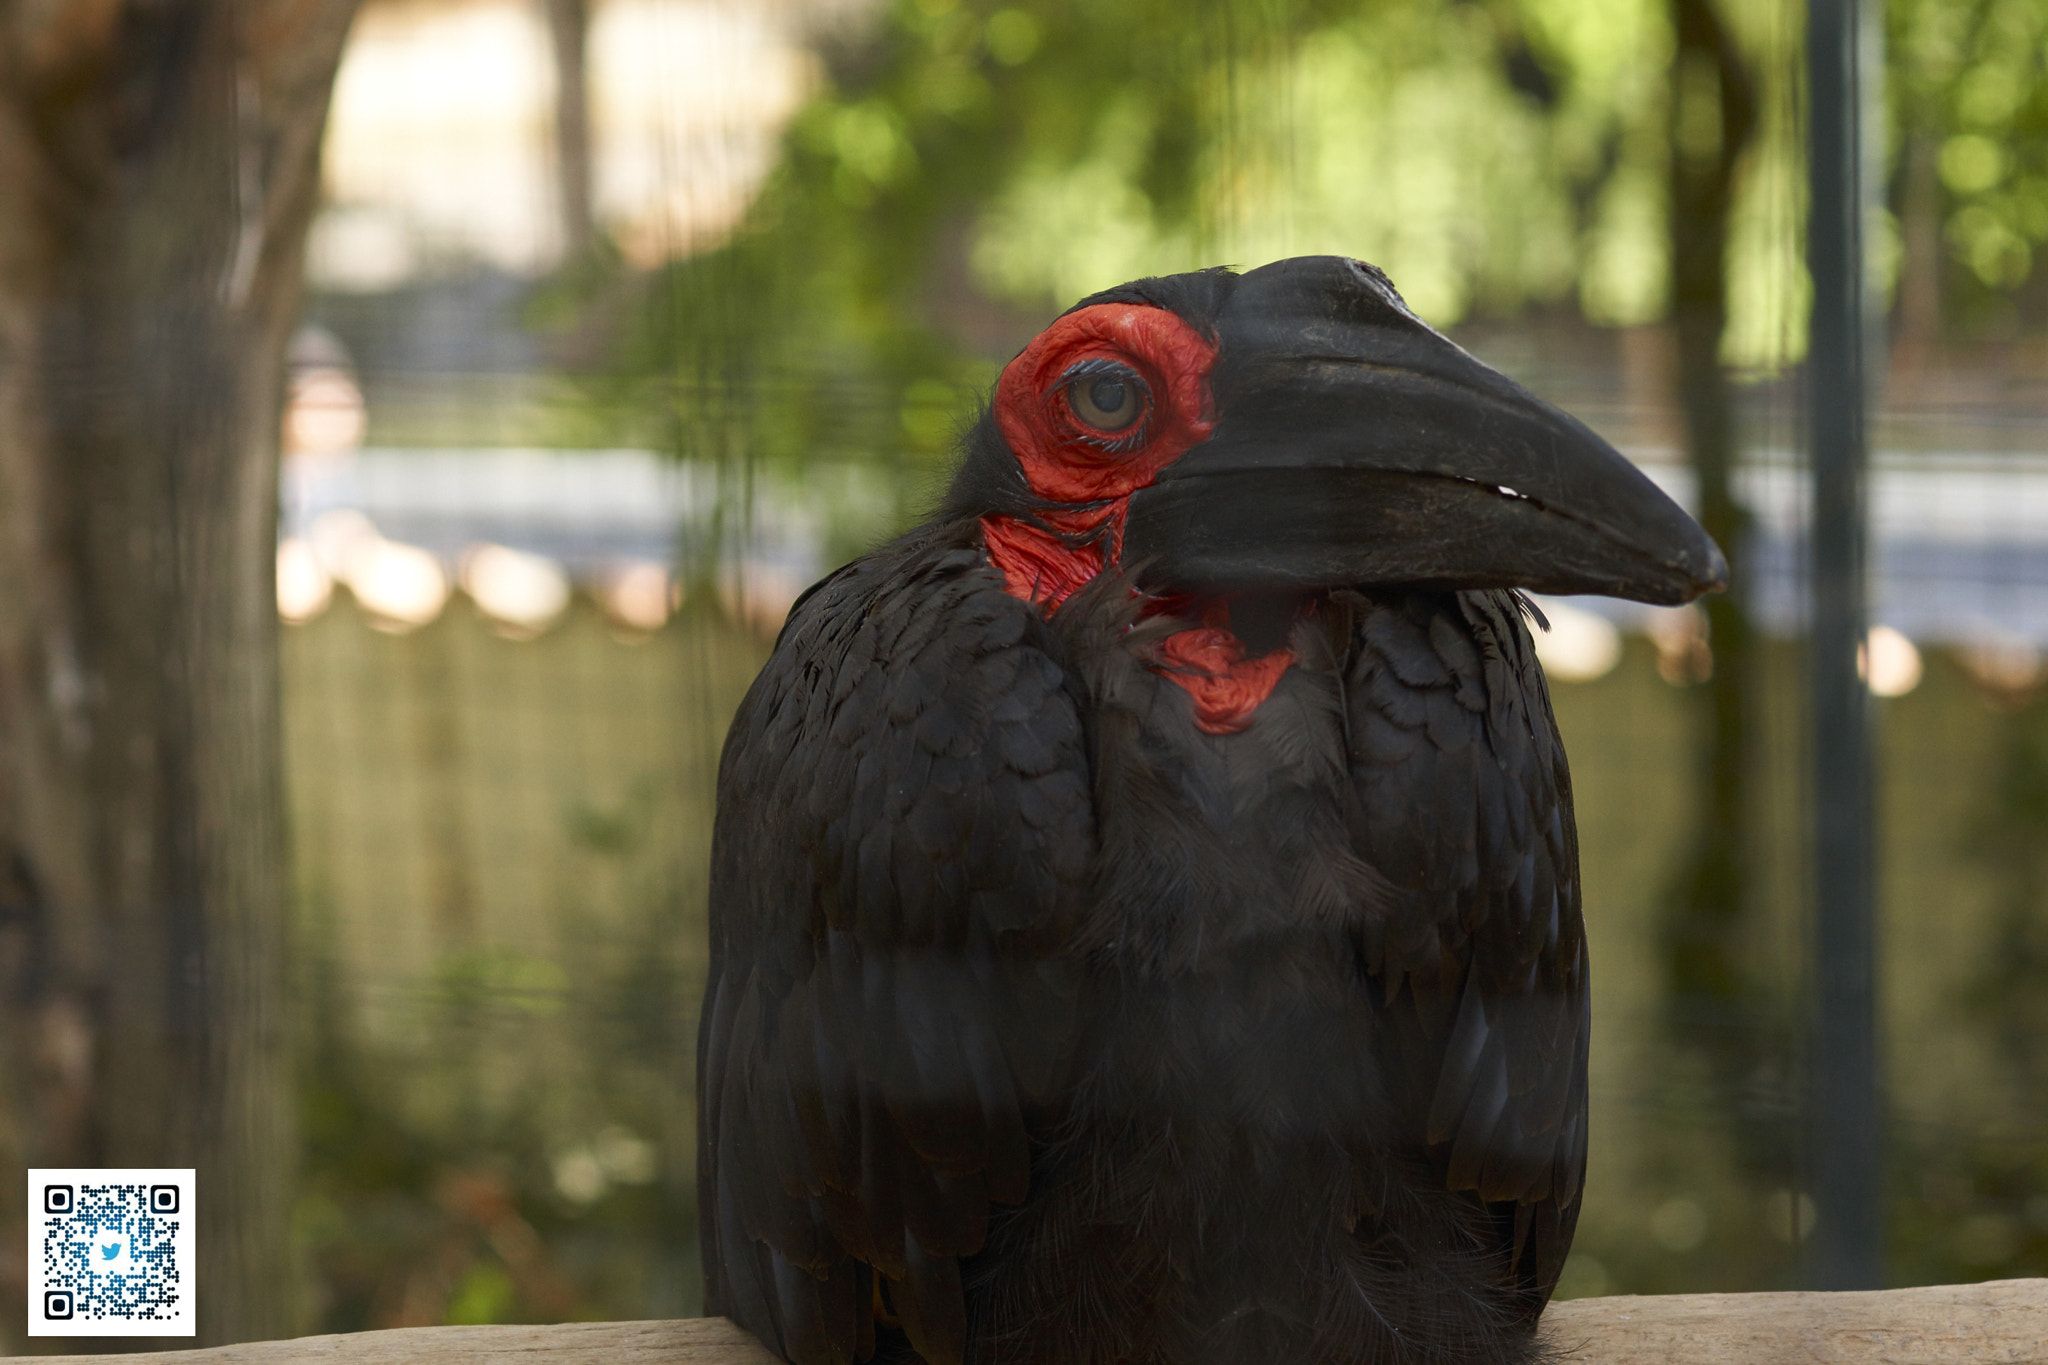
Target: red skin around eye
point(1062, 457)
point(1064, 461)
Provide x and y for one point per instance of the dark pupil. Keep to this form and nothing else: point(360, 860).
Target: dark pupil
point(1107, 395)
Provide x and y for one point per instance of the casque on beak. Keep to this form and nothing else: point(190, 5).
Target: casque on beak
point(1356, 446)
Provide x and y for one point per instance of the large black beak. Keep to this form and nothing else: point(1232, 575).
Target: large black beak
point(1356, 446)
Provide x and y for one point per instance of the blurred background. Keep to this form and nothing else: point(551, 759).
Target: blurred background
point(623, 320)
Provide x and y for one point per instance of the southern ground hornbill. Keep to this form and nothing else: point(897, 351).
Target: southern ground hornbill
point(1145, 904)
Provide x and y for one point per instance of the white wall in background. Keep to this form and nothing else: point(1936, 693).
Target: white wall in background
point(440, 140)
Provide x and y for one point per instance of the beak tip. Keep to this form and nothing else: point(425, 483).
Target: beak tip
point(1715, 578)
point(1693, 574)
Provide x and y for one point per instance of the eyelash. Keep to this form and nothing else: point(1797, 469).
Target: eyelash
point(1140, 430)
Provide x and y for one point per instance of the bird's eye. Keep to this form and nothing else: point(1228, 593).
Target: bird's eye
point(1109, 398)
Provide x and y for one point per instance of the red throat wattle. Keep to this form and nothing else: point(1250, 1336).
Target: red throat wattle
point(1093, 472)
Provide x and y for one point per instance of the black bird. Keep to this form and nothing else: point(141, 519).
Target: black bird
point(1145, 903)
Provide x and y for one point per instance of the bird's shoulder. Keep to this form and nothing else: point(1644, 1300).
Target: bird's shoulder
point(1465, 793)
point(911, 702)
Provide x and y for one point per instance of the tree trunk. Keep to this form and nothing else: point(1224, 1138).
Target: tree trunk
point(1715, 997)
point(569, 23)
point(1917, 329)
point(159, 164)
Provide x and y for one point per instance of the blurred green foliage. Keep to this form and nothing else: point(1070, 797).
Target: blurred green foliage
point(1981, 1207)
point(968, 166)
point(501, 863)
point(1970, 82)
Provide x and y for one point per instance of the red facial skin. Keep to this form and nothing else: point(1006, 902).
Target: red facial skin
point(1067, 461)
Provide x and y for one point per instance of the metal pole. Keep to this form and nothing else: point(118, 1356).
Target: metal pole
point(1846, 1116)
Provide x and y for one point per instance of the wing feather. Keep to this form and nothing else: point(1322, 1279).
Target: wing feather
point(904, 823)
point(1465, 810)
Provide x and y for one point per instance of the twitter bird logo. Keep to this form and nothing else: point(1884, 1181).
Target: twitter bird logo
point(110, 1252)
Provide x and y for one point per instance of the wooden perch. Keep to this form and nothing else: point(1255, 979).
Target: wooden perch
point(684, 1341)
point(2005, 1321)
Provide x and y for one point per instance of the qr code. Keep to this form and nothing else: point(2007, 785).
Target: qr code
point(110, 1253)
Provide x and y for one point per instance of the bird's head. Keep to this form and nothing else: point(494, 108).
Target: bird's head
point(1298, 429)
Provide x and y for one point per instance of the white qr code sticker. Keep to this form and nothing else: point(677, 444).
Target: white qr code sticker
point(110, 1253)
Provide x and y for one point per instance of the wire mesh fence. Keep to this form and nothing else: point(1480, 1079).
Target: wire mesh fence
point(540, 572)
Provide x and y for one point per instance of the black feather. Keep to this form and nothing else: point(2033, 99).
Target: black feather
point(1101, 1038)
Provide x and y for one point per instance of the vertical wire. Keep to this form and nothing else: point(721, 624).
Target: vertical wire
point(1845, 1121)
